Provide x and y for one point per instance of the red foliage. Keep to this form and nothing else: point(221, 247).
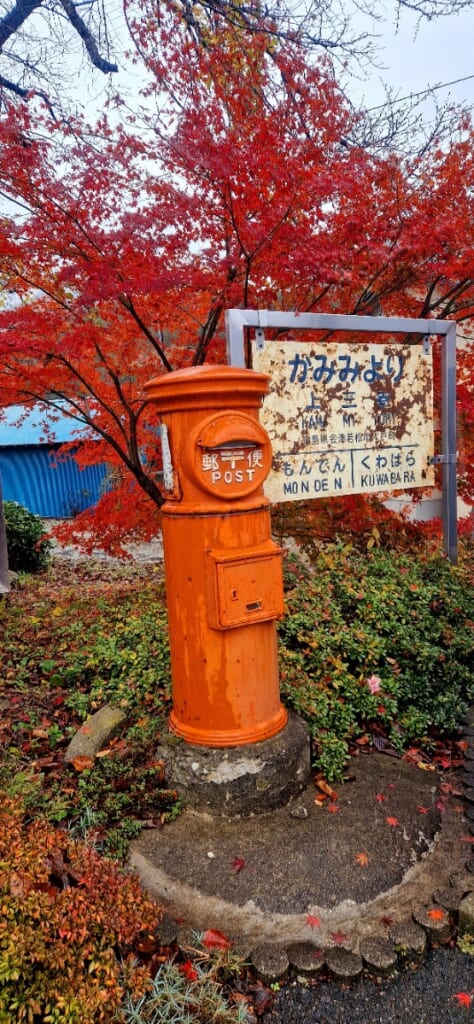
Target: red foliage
point(127, 252)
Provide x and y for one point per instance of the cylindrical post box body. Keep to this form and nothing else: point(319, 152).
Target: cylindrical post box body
point(223, 571)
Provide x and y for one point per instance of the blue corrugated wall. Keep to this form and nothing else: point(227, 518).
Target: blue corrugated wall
point(57, 490)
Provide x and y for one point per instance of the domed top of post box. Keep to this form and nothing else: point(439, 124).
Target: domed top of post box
point(201, 387)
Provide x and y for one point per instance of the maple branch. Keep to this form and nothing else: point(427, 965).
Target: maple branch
point(12, 24)
point(447, 303)
point(87, 38)
point(13, 19)
point(430, 9)
point(127, 303)
point(211, 324)
point(427, 307)
point(18, 90)
point(131, 440)
point(89, 389)
point(279, 24)
point(207, 333)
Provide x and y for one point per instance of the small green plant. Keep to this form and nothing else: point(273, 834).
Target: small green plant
point(28, 549)
point(466, 943)
point(123, 792)
point(183, 994)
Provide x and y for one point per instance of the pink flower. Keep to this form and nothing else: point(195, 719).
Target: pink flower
point(373, 683)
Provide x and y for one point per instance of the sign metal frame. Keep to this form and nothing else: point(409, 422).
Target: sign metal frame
point(237, 320)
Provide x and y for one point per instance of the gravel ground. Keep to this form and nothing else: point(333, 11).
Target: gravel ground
point(421, 996)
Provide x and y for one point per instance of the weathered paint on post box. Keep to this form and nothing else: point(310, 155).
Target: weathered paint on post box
point(223, 570)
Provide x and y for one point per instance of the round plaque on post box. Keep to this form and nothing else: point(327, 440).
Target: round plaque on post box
point(228, 455)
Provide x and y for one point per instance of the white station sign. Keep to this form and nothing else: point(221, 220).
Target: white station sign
point(347, 418)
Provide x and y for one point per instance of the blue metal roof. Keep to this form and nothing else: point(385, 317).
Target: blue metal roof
point(20, 426)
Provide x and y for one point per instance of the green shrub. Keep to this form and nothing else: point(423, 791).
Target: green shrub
point(28, 550)
point(405, 622)
point(123, 657)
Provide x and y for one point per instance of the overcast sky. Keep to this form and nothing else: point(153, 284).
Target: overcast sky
point(414, 59)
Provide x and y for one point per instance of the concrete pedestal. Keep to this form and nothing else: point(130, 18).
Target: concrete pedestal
point(244, 780)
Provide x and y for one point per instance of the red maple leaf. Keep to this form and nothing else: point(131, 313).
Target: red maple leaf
point(332, 808)
point(392, 821)
point(436, 914)
point(188, 970)
point(361, 859)
point(339, 938)
point(423, 810)
point(313, 921)
point(447, 788)
point(214, 939)
point(380, 797)
point(463, 998)
point(445, 761)
point(238, 864)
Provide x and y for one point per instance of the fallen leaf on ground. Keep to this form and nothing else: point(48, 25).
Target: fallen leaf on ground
point(392, 821)
point(339, 938)
point(463, 998)
point(313, 921)
point(448, 788)
point(238, 864)
point(380, 797)
point(188, 970)
point(214, 939)
point(361, 859)
point(82, 763)
point(436, 915)
point(326, 788)
point(332, 808)
point(423, 810)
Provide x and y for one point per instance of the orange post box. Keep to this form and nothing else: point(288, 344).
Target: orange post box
point(223, 571)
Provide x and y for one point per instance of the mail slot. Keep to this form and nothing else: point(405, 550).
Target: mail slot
point(245, 588)
point(223, 571)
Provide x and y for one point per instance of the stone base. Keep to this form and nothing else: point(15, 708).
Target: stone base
point(240, 781)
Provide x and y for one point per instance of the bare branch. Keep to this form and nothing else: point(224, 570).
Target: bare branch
point(14, 19)
point(87, 38)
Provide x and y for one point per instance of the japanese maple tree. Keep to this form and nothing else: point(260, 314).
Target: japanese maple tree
point(237, 184)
